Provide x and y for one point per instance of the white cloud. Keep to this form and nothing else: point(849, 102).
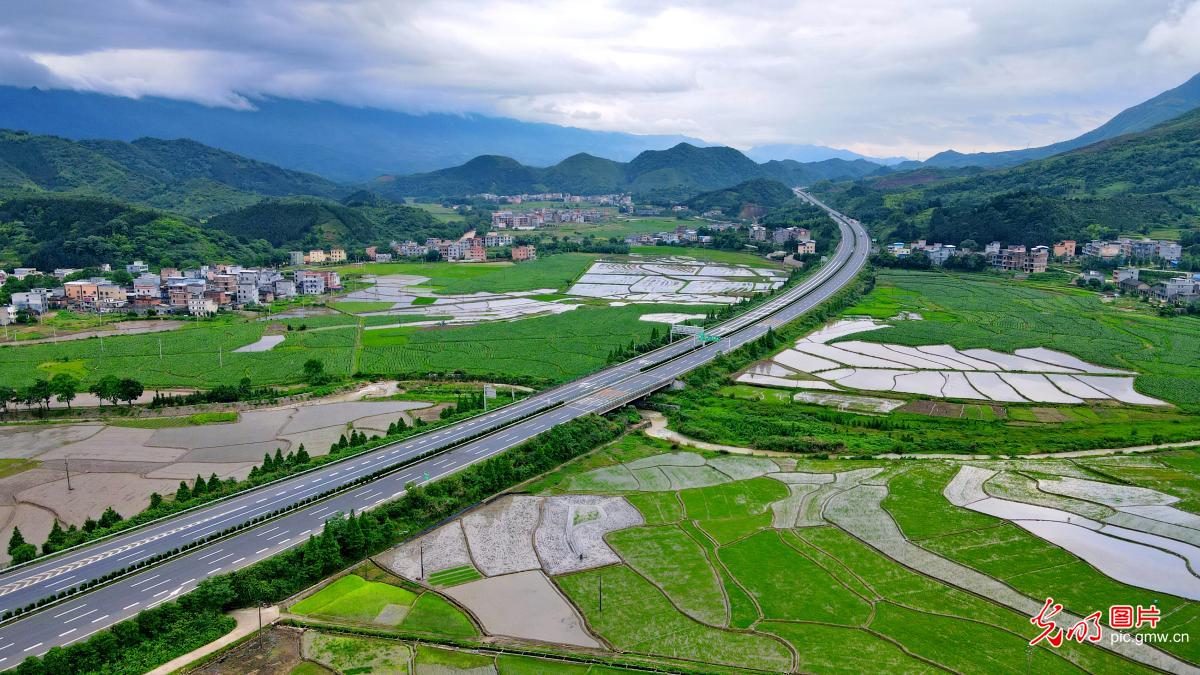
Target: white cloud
point(1177, 36)
point(881, 77)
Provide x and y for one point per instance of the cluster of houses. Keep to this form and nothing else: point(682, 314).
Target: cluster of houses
point(619, 200)
point(785, 236)
point(1014, 258)
point(541, 217)
point(318, 257)
point(199, 292)
point(1180, 290)
point(1131, 249)
point(466, 249)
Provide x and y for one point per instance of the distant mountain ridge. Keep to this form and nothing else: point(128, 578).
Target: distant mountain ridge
point(1135, 182)
point(677, 172)
point(339, 142)
point(180, 175)
point(1163, 107)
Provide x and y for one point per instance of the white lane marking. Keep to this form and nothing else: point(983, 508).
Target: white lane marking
point(131, 606)
point(267, 531)
point(238, 560)
point(100, 618)
point(76, 618)
point(164, 581)
point(209, 555)
point(66, 633)
point(32, 647)
point(144, 581)
point(213, 571)
point(64, 613)
point(262, 550)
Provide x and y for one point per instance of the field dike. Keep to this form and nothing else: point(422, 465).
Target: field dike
point(859, 512)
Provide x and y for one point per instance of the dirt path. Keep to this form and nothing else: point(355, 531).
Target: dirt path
point(658, 429)
point(247, 623)
point(130, 328)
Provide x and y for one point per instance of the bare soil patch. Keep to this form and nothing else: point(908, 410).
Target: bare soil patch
point(524, 605)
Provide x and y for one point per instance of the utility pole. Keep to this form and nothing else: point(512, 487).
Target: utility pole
point(160, 349)
point(422, 544)
point(602, 591)
point(67, 463)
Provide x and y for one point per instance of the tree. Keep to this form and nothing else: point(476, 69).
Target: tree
point(314, 372)
point(40, 392)
point(106, 388)
point(109, 518)
point(183, 494)
point(128, 390)
point(156, 500)
point(55, 539)
point(199, 487)
point(17, 539)
point(65, 388)
point(23, 553)
point(7, 395)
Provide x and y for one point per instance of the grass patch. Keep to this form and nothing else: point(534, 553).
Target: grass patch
point(432, 613)
point(766, 566)
point(451, 658)
point(676, 564)
point(196, 419)
point(637, 617)
point(10, 466)
point(455, 576)
point(352, 598)
point(360, 306)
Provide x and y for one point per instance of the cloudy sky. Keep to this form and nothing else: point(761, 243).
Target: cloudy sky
point(880, 77)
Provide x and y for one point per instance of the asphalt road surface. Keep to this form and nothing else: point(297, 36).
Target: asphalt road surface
point(86, 613)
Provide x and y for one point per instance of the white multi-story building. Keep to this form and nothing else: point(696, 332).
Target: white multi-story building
point(309, 282)
point(284, 288)
point(35, 300)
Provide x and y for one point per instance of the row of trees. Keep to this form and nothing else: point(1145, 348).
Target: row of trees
point(65, 388)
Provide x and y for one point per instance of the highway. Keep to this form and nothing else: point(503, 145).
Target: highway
point(85, 613)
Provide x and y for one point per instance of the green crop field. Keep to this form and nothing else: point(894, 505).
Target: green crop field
point(353, 599)
point(550, 348)
point(983, 311)
point(554, 272)
point(198, 354)
point(817, 599)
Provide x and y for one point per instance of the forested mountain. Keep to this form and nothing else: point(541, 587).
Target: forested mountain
point(180, 175)
point(342, 143)
point(49, 231)
point(1132, 183)
point(762, 192)
point(301, 223)
point(679, 172)
point(1166, 106)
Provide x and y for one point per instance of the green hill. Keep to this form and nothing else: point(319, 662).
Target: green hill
point(1133, 183)
point(763, 192)
point(676, 173)
point(48, 231)
point(302, 222)
point(178, 175)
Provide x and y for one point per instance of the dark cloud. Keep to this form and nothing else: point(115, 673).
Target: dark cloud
point(877, 76)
